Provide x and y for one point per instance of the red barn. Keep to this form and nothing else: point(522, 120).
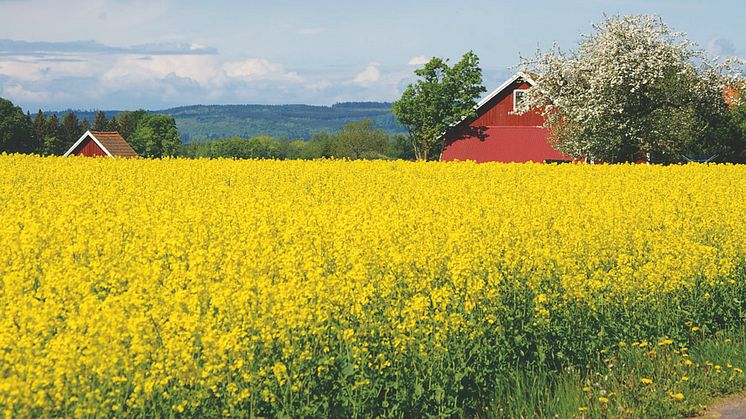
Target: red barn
point(497, 134)
point(97, 143)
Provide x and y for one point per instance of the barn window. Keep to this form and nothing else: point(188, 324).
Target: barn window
point(518, 98)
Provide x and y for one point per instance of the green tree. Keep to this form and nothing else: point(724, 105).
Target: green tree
point(51, 138)
point(634, 88)
point(360, 140)
point(126, 123)
point(294, 149)
point(16, 133)
point(71, 130)
point(100, 123)
point(401, 148)
point(38, 127)
point(319, 146)
point(738, 114)
point(155, 136)
point(441, 97)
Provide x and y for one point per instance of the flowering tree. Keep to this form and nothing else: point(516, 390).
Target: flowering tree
point(635, 89)
point(442, 96)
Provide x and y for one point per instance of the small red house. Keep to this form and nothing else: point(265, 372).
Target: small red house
point(98, 143)
point(497, 134)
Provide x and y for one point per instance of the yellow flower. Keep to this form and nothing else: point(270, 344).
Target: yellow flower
point(226, 281)
point(646, 380)
point(677, 396)
point(280, 372)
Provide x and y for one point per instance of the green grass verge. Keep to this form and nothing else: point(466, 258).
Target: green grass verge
point(638, 379)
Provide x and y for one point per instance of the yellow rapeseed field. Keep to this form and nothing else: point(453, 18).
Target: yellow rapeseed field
point(209, 287)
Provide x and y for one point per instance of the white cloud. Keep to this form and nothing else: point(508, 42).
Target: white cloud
point(371, 74)
point(259, 69)
point(418, 60)
point(129, 70)
point(19, 93)
point(320, 85)
point(34, 69)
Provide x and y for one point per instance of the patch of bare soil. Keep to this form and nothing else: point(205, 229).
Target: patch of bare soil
point(733, 407)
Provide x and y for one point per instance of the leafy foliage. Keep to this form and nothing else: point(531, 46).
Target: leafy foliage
point(15, 129)
point(442, 97)
point(356, 140)
point(360, 140)
point(155, 136)
point(200, 123)
point(634, 88)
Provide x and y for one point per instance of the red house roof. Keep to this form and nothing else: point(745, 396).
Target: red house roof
point(499, 134)
point(102, 143)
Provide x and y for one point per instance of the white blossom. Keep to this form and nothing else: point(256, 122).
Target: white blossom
point(632, 87)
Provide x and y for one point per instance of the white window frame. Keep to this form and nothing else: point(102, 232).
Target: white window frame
point(515, 108)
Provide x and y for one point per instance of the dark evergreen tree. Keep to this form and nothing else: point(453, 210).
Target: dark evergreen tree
point(51, 140)
point(71, 130)
point(128, 122)
point(113, 125)
point(100, 124)
point(38, 127)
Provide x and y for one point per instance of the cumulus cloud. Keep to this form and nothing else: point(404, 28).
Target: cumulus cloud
point(131, 70)
point(30, 69)
point(90, 75)
point(418, 60)
point(259, 69)
point(371, 74)
point(18, 92)
point(320, 85)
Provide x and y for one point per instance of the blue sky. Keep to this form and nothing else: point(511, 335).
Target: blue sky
point(127, 54)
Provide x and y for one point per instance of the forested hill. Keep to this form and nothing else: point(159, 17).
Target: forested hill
point(204, 122)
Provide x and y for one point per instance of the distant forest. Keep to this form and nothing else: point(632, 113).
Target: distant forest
point(200, 123)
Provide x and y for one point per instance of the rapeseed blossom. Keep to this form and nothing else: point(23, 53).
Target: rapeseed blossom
point(215, 287)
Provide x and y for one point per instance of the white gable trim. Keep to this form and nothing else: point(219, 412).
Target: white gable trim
point(80, 140)
point(520, 75)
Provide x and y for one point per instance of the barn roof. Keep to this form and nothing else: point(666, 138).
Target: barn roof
point(110, 142)
point(515, 77)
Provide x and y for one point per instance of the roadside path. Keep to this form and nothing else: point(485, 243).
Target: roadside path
point(733, 407)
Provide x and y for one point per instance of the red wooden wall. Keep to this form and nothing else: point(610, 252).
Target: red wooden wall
point(88, 148)
point(497, 113)
point(497, 135)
